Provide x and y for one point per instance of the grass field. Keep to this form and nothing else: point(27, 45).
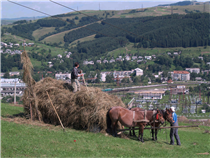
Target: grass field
point(27, 140)
point(42, 31)
point(59, 37)
point(129, 49)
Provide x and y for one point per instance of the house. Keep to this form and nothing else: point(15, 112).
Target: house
point(127, 57)
point(11, 80)
point(112, 61)
point(91, 62)
point(59, 56)
point(176, 53)
point(14, 73)
point(17, 45)
point(148, 57)
point(30, 44)
point(98, 61)
point(2, 74)
point(208, 63)
point(160, 72)
point(105, 61)
point(198, 79)
point(153, 56)
point(119, 59)
point(201, 58)
point(193, 70)
point(169, 53)
point(170, 81)
point(205, 71)
point(138, 61)
point(85, 62)
point(181, 75)
point(139, 72)
point(63, 76)
point(24, 44)
point(134, 57)
point(67, 56)
point(154, 94)
point(140, 58)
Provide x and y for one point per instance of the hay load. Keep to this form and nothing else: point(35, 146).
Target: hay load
point(81, 110)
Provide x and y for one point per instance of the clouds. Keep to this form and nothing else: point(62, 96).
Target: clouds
point(10, 10)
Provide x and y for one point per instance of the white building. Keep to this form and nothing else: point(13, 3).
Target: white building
point(14, 73)
point(181, 75)
point(139, 72)
point(148, 57)
point(193, 70)
point(59, 56)
point(98, 61)
point(63, 76)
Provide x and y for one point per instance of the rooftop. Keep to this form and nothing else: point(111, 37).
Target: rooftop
point(181, 72)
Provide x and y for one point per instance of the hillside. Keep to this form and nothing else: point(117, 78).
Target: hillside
point(37, 32)
point(22, 137)
point(108, 34)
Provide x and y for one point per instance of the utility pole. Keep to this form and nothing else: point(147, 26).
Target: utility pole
point(204, 7)
point(196, 105)
point(171, 10)
point(15, 94)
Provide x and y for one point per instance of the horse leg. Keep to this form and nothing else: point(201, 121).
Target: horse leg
point(114, 124)
point(142, 131)
point(130, 131)
point(156, 134)
point(134, 134)
point(139, 134)
point(152, 134)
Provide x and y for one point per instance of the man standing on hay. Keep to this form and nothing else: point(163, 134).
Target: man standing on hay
point(74, 77)
point(174, 131)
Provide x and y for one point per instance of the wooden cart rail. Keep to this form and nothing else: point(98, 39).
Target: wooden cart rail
point(160, 127)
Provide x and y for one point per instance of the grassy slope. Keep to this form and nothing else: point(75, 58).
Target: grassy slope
point(88, 38)
point(40, 32)
point(154, 11)
point(21, 140)
point(17, 39)
point(190, 51)
point(59, 37)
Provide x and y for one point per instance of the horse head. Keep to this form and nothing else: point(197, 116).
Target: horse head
point(168, 115)
point(159, 117)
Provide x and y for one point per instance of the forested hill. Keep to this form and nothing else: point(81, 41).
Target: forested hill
point(189, 30)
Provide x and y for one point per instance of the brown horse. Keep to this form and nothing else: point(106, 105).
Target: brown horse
point(167, 115)
point(128, 118)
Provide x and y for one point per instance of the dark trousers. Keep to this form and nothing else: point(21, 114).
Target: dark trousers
point(174, 132)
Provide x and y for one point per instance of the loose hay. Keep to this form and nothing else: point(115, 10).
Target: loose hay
point(81, 110)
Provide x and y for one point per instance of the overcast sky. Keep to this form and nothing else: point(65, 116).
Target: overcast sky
point(10, 10)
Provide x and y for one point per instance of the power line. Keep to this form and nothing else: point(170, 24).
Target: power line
point(62, 19)
point(93, 17)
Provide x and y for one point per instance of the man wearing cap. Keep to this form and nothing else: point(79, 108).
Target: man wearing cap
point(174, 131)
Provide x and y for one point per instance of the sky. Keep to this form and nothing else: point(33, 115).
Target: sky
point(10, 10)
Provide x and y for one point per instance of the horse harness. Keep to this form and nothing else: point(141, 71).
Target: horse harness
point(155, 116)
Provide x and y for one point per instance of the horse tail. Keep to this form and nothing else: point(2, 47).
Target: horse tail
point(108, 122)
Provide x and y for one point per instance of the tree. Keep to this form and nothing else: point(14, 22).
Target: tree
point(6, 75)
point(98, 80)
point(109, 78)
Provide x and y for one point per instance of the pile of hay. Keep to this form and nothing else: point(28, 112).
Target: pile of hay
point(182, 119)
point(85, 109)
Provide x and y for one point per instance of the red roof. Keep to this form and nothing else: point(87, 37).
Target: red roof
point(181, 72)
point(170, 81)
